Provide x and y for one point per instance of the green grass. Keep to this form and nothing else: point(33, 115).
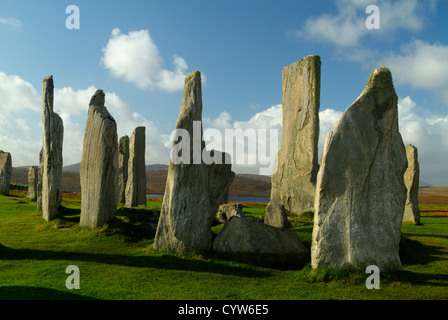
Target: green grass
point(117, 262)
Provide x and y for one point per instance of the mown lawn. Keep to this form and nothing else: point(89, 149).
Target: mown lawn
point(118, 262)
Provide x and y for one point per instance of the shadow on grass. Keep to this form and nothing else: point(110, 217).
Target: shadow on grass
point(164, 262)
point(36, 293)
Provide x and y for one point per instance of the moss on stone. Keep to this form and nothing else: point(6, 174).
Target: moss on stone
point(194, 74)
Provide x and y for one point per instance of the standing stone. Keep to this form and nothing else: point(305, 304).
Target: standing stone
point(99, 166)
point(136, 183)
point(360, 192)
point(5, 172)
point(33, 178)
point(411, 180)
point(123, 158)
point(39, 183)
point(186, 218)
point(51, 153)
point(221, 177)
point(293, 184)
point(276, 216)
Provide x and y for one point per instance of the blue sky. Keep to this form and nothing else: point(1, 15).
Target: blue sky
point(138, 52)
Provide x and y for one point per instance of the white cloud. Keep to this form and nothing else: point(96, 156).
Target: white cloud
point(17, 94)
point(12, 22)
point(135, 58)
point(21, 132)
point(347, 27)
point(422, 65)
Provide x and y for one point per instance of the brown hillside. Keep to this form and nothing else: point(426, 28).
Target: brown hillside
point(245, 185)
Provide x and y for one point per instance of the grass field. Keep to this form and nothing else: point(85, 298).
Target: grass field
point(118, 262)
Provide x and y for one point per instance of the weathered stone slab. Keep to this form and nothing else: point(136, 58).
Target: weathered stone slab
point(99, 166)
point(33, 179)
point(5, 172)
point(186, 216)
point(136, 184)
point(251, 241)
point(360, 193)
point(276, 216)
point(411, 180)
point(293, 184)
point(123, 159)
point(53, 131)
point(221, 177)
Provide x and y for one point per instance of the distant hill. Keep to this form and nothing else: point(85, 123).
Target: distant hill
point(244, 185)
point(77, 167)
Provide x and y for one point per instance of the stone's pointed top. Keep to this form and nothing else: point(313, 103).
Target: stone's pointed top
point(98, 99)
point(49, 79)
point(194, 74)
point(380, 78)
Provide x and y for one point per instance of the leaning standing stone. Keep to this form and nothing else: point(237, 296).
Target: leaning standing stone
point(99, 166)
point(411, 180)
point(33, 178)
point(360, 192)
point(5, 172)
point(294, 182)
point(51, 153)
point(136, 184)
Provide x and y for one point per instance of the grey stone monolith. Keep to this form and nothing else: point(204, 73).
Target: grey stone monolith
point(5, 172)
point(221, 177)
point(33, 179)
point(51, 164)
point(135, 194)
point(360, 192)
point(411, 180)
point(123, 159)
point(294, 181)
point(186, 217)
point(99, 166)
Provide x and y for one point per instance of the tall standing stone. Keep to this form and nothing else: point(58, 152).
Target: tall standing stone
point(99, 165)
point(221, 177)
point(186, 218)
point(293, 184)
point(360, 192)
point(123, 158)
point(53, 131)
point(411, 180)
point(136, 183)
point(33, 179)
point(5, 172)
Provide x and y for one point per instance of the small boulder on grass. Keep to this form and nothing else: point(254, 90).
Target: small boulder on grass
point(276, 216)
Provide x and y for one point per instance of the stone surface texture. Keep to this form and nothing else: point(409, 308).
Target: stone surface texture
point(360, 192)
point(33, 179)
point(186, 216)
point(99, 165)
point(252, 241)
point(123, 159)
point(411, 180)
point(51, 164)
point(5, 172)
point(135, 194)
point(276, 216)
point(294, 181)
